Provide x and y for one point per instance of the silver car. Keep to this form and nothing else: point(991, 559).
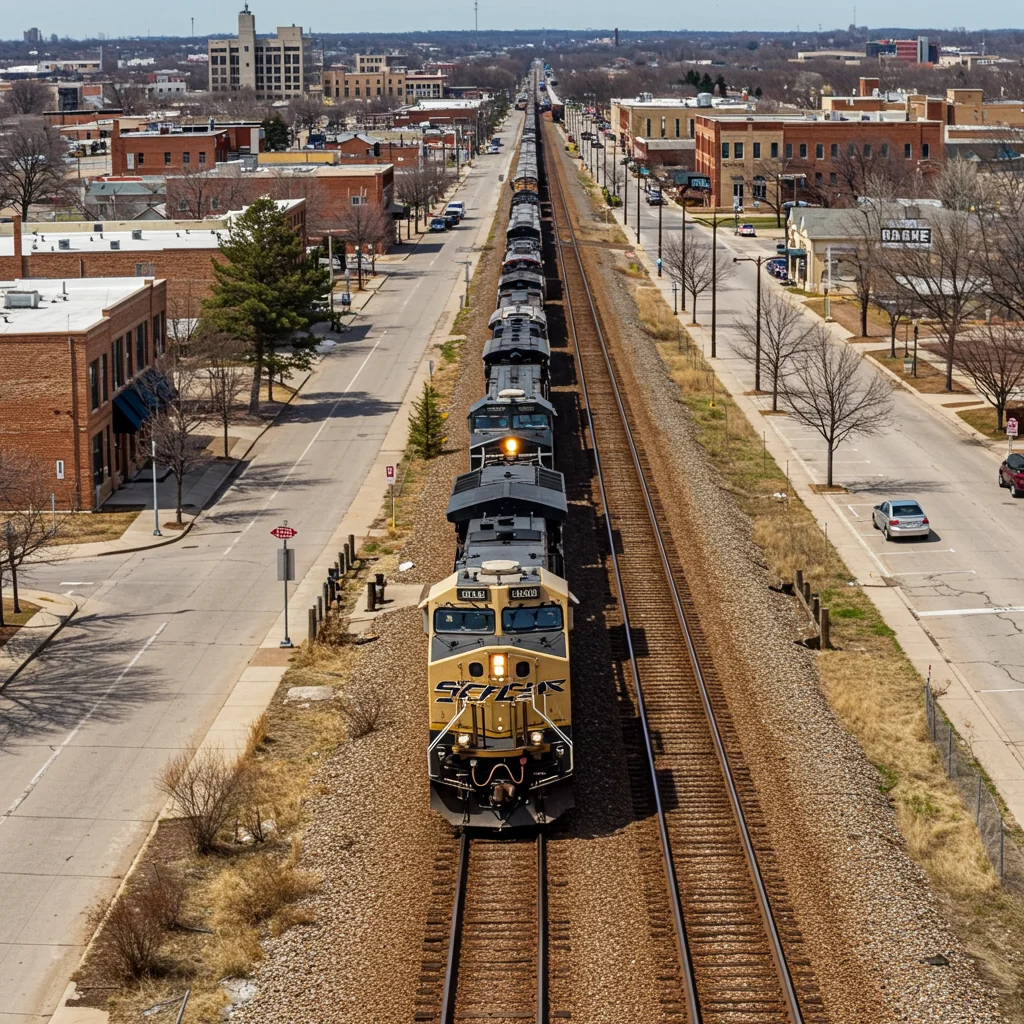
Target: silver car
point(900, 517)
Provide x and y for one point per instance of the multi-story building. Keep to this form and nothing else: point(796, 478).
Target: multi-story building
point(164, 84)
point(778, 157)
point(374, 76)
point(76, 360)
point(653, 117)
point(274, 67)
point(168, 149)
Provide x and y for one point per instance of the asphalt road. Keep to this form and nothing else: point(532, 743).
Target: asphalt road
point(162, 635)
point(966, 581)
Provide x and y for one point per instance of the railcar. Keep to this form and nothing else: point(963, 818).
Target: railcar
point(514, 422)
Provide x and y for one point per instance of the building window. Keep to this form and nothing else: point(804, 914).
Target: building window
point(725, 150)
point(803, 150)
point(141, 159)
point(158, 339)
point(737, 150)
point(851, 149)
point(359, 200)
point(757, 150)
point(677, 127)
point(884, 150)
point(760, 187)
point(775, 151)
point(819, 151)
point(737, 193)
point(129, 370)
point(202, 158)
point(817, 179)
point(789, 150)
point(94, 384)
point(908, 151)
point(648, 132)
point(925, 150)
point(833, 179)
point(167, 159)
point(116, 363)
point(215, 202)
point(141, 355)
point(97, 459)
point(104, 390)
point(186, 157)
point(183, 205)
point(145, 270)
point(834, 150)
point(867, 150)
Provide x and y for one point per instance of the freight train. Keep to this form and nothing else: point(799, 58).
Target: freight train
point(500, 752)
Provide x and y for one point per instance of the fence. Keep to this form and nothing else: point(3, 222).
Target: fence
point(1001, 844)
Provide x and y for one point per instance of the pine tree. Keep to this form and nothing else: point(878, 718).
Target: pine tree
point(275, 133)
point(426, 426)
point(265, 293)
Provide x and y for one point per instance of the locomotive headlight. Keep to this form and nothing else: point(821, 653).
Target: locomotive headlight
point(536, 737)
point(464, 739)
point(511, 447)
point(498, 665)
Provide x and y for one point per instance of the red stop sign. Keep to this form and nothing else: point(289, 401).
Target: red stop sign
point(283, 532)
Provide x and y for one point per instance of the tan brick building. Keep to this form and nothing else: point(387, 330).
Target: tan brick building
point(800, 158)
point(75, 356)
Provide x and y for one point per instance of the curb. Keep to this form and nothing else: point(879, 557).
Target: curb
point(227, 478)
point(42, 645)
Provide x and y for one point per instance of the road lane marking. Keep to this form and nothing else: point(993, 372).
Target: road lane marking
point(77, 583)
point(1009, 689)
point(939, 572)
point(929, 551)
point(854, 511)
point(1012, 609)
point(74, 732)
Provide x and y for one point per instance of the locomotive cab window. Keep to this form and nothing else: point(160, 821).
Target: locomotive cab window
point(531, 620)
point(463, 620)
point(485, 422)
point(524, 420)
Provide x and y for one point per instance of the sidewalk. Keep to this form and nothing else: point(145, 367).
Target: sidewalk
point(54, 612)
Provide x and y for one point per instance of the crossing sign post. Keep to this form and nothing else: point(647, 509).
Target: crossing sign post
point(285, 568)
point(389, 472)
point(1011, 433)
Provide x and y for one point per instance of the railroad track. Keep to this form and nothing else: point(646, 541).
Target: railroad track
point(740, 953)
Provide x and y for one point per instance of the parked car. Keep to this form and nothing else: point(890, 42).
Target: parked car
point(747, 231)
point(438, 224)
point(354, 261)
point(781, 247)
point(900, 517)
point(777, 268)
point(457, 207)
point(1011, 474)
point(451, 220)
point(655, 198)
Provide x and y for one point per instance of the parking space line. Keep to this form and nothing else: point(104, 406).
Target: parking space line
point(940, 551)
point(1015, 609)
point(851, 508)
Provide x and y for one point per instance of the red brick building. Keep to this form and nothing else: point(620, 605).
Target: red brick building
point(749, 158)
point(167, 151)
point(74, 357)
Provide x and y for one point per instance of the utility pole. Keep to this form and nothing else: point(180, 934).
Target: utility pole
point(638, 206)
point(156, 504)
point(757, 261)
point(625, 189)
point(682, 275)
point(661, 200)
point(714, 282)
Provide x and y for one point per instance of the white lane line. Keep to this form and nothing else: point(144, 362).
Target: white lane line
point(854, 511)
point(930, 551)
point(295, 465)
point(74, 732)
point(940, 572)
point(77, 583)
point(1009, 689)
point(1013, 609)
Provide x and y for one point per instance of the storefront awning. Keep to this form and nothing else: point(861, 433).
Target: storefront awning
point(126, 417)
point(796, 252)
point(148, 393)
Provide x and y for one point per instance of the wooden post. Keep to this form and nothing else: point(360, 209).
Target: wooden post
point(816, 608)
point(824, 629)
point(333, 590)
point(312, 623)
point(319, 609)
point(346, 558)
point(371, 596)
point(798, 585)
point(807, 593)
point(352, 549)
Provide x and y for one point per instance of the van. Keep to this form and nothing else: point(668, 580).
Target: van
point(458, 208)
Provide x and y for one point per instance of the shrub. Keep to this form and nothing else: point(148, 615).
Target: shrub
point(364, 714)
point(127, 947)
point(261, 886)
point(426, 427)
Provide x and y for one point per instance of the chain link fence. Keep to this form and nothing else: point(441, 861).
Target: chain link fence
point(975, 790)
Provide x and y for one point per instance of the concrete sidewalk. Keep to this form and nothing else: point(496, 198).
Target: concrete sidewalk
point(54, 612)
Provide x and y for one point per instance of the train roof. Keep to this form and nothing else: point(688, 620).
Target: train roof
point(525, 197)
point(520, 539)
point(525, 220)
point(524, 377)
point(517, 346)
point(511, 295)
point(514, 310)
point(508, 491)
point(550, 581)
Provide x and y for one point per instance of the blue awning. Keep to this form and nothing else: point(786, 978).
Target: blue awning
point(126, 418)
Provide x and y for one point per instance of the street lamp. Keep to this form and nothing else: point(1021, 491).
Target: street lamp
point(916, 323)
point(661, 200)
point(625, 191)
point(682, 267)
point(675, 299)
point(758, 260)
point(638, 204)
point(714, 283)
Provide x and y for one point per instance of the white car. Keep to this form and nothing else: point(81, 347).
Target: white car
point(900, 517)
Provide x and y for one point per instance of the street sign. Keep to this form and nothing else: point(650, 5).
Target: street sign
point(285, 564)
point(389, 472)
point(908, 234)
point(1011, 427)
point(283, 532)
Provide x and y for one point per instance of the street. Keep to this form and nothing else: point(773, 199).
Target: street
point(162, 635)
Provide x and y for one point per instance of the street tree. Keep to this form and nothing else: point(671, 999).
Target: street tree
point(695, 276)
point(127, 95)
point(307, 113)
point(265, 293)
point(832, 391)
point(899, 306)
point(364, 226)
point(28, 529)
point(993, 357)
point(221, 361)
point(426, 425)
point(946, 279)
point(177, 427)
point(784, 335)
point(26, 97)
point(32, 167)
point(195, 193)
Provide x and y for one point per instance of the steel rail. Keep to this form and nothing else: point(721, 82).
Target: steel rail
point(764, 903)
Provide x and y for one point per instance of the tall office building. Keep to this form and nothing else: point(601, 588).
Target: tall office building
point(274, 67)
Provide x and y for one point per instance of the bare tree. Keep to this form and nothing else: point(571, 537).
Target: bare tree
point(32, 164)
point(307, 113)
point(993, 357)
point(366, 225)
point(413, 186)
point(127, 95)
point(946, 278)
point(175, 427)
point(830, 391)
point(195, 193)
point(696, 274)
point(27, 527)
point(898, 305)
point(221, 358)
point(26, 97)
point(784, 333)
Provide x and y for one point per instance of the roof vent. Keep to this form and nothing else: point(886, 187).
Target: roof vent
point(63, 243)
point(511, 393)
point(21, 299)
point(136, 234)
point(115, 243)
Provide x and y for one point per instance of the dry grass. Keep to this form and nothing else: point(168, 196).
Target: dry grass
point(930, 379)
point(983, 419)
point(871, 685)
point(89, 527)
point(256, 889)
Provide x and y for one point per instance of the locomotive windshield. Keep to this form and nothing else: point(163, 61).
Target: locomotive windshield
point(523, 420)
point(531, 620)
point(463, 620)
point(520, 421)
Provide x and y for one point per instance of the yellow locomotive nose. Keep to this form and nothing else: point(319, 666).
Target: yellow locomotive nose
point(511, 447)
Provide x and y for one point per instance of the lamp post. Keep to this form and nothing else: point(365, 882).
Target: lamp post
point(757, 260)
point(638, 205)
point(675, 299)
point(625, 191)
point(714, 283)
point(916, 323)
point(604, 163)
point(682, 268)
point(661, 201)
point(156, 504)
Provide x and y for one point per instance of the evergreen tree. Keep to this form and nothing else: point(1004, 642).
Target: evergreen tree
point(266, 294)
point(426, 427)
point(706, 85)
point(275, 133)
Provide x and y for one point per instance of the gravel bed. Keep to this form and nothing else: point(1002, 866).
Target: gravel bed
point(866, 912)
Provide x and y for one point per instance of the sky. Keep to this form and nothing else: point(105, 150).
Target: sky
point(129, 17)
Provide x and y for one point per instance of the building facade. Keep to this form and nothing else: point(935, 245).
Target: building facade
point(70, 351)
point(167, 150)
point(274, 67)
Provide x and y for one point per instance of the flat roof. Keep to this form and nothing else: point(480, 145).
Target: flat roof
point(83, 308)
point(151, 240)
point(689, 102)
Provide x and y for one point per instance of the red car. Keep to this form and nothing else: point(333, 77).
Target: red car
point(1011, 474)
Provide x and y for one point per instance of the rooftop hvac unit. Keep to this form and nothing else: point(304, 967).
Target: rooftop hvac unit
point(703, 99)
point(21, 300)
point(115, 243)
point(136, 234)
point(97, 228)
point(63, 243)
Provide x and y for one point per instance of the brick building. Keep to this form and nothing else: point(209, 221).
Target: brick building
point(181, 253)
point(761, 155)
point(167, 150)
point(654, 117)
point(76, 370)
